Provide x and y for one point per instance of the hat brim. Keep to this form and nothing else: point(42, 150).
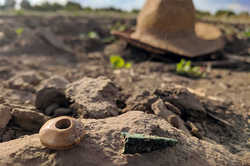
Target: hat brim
point(206, 39)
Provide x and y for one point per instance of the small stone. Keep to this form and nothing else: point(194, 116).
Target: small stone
point(29, 120)
point(62, 111)
point(5, 116)
point(50, 109)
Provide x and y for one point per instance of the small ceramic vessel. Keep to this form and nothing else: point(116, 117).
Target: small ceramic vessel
point(61, 133)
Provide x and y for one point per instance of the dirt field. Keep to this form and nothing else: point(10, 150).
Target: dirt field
point(29, 58)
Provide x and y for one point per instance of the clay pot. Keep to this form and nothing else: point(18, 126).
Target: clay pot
point(61, 133)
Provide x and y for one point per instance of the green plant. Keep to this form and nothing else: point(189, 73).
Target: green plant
point(19, 31)
point(119, 27)
point(93, 35)
point(19, 12)
point(247, 33)
point(185, 68)
point(73, 6)
point(226, 13)
point(117, 62)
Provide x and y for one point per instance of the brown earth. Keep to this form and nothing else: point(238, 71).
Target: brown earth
point(220, 109)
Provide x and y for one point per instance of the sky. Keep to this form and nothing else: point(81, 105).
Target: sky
point(208, 5)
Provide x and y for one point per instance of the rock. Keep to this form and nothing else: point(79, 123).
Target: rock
point(189, 104)
point(62, 111)
point(28, 120)
point(160, 109)
point(5, 116)
point(50, 109)
point(94, 98)
point(49, 96)
point(55, 81)
point(102, 145)
point(25, 81)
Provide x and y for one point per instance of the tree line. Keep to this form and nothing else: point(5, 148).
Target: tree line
point(74, 6)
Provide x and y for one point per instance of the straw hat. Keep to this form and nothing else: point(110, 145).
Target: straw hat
point(169, 26)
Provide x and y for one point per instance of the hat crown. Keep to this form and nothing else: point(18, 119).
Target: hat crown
point(166, 17)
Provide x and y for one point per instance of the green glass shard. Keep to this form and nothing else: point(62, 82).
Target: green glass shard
point(140, 143)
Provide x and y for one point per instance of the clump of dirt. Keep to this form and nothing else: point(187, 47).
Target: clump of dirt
point(95, 98)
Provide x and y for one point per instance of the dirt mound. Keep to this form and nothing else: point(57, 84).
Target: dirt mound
point(102, 145)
